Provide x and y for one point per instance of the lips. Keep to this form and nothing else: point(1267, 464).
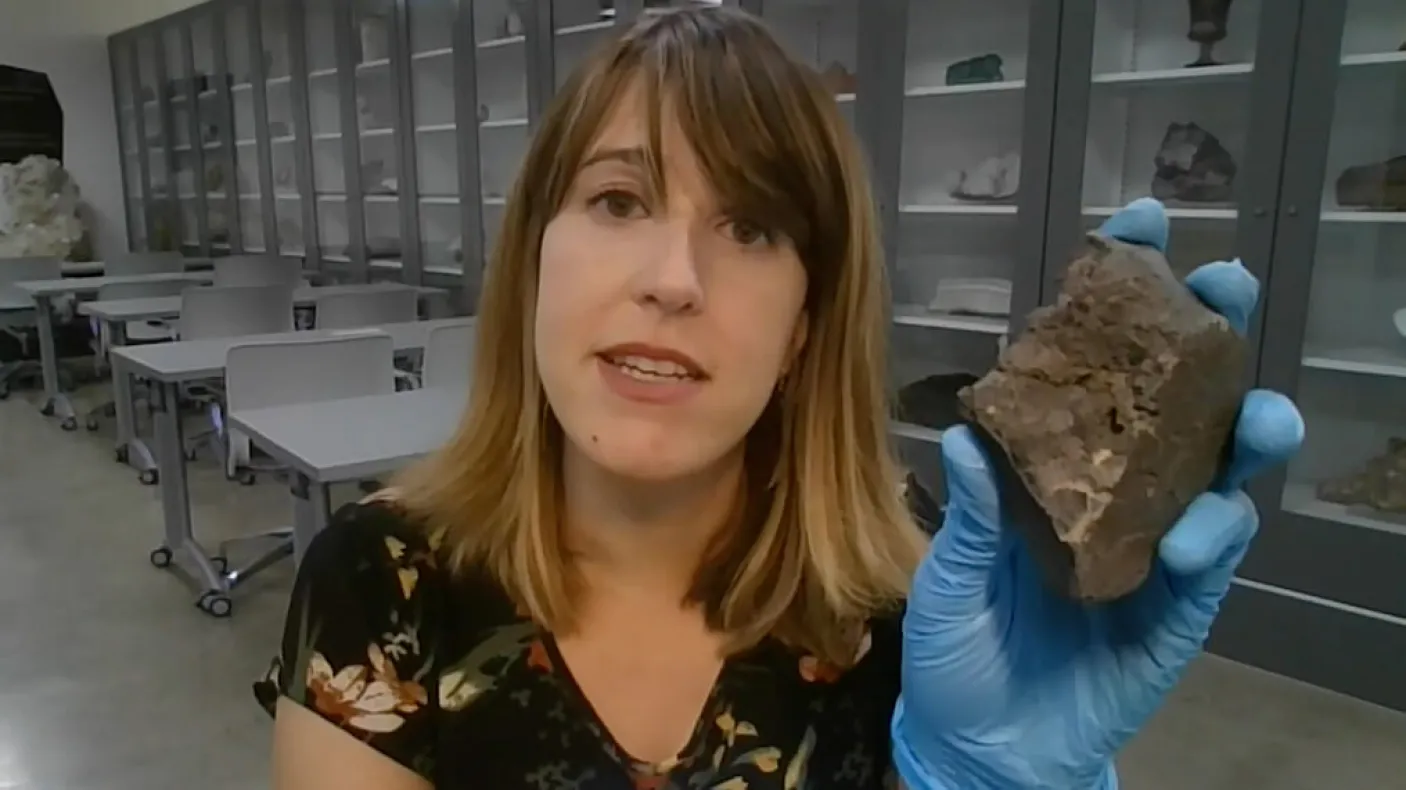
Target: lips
point(648, 362)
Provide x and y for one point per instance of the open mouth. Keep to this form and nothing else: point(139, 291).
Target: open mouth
point(653, 370)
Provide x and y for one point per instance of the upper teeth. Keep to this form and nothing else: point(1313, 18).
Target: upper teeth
point(657, 367)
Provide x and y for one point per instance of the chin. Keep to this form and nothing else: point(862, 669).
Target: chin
point(649, 453)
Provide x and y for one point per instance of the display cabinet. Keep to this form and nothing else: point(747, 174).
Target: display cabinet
point(379, 139)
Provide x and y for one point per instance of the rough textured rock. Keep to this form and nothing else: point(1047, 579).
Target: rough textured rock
point(39, 209)
point(1108, 415)
point(1379, 484)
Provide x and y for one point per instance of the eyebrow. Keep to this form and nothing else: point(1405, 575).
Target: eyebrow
point(633, 155)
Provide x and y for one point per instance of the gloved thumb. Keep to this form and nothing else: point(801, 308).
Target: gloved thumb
point(956, 578)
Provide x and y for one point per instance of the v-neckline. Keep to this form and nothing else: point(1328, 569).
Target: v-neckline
point(696, 740)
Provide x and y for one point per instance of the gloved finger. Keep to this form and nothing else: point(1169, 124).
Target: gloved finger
point(1269, 431)
point(1143, 222)
point(1208, 533)
point(1228, 288)
point(955, 577)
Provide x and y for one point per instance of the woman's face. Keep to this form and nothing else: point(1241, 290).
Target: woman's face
point(663, 322)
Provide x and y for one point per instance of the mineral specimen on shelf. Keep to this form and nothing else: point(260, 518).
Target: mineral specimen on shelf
point(1380, 186)
point(1193, 166)
point(996, 178)
point(1380, 484)
point(1208, 26)
point(838, 79)
point(972, 71)
point(932, 401)
point(39, 209)
point(1108, 415)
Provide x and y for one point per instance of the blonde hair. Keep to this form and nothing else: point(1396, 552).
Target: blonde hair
point(824, 541)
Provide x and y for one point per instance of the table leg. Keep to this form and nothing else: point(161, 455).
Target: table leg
point(55, 402)
point(130, 447)
point(175, 503)
point(312, 510)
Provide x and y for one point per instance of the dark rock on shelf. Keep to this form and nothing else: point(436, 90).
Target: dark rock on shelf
point(1380, 484)
point(973, 71)
point(1108, 415)
point(932, 401)
point(1380, 186)
point(1208, 26)
point(1193, 166)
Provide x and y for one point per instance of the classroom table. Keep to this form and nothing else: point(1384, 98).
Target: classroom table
point(43, 292)
point(312, 440)
point(98, 268)
point(169, 365)
point(115, 314)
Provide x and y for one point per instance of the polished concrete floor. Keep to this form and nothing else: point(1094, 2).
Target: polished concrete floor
point(110, 679)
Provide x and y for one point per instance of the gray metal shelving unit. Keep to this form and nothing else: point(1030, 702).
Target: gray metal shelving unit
point(379, 138)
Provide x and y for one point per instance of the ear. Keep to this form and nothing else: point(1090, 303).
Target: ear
point(799, 335)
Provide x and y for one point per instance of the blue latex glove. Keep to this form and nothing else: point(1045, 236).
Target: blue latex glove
point(1009, 686)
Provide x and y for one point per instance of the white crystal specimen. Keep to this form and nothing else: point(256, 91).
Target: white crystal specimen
point(39, 204)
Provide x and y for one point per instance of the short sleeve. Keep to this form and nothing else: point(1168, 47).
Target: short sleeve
point(357, 642)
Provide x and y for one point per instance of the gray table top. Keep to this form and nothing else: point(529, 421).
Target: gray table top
point(141, 309)
point(89, 285)
point(191, 360)
point(82, 268)
point(357, 438)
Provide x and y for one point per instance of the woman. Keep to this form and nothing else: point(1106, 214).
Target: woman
point(667, 546)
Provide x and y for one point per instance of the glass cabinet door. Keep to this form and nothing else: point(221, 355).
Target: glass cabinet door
point(377, 116)
point(579, 26)
point(432, 24)
point(1352, 374)
point(131, 143)
point(822, 33)
point(963, 104)
point(1169, 117)
point(240, 21)
point(324, 117)
point(163, 208)
point(184, 153)
point(212, 84)
point(282, 141)
point(501, 69)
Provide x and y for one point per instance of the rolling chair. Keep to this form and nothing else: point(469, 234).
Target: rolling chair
point(134, 263)
point(243, 270)
point(229, 311)
point(137, 332)
point(449, 356)
point(355, 309)
point(18, 314)
point(266, 374)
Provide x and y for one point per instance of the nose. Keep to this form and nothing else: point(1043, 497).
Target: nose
point(670, 279)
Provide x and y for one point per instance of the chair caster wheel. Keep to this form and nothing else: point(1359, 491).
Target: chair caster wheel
point(149, 477)
point(160, 557)
point(110, 410)
point(92, 423)
point(248, 479)
point(215, 604)
point(47, 409)
point(190, 455)
point(69, 424)
point(120, 455)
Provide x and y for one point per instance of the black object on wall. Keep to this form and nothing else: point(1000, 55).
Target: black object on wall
point(31, 118)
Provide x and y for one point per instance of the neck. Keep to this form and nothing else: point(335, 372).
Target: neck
point(643, 534)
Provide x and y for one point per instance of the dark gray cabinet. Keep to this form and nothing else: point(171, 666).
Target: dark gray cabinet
point(379, 139)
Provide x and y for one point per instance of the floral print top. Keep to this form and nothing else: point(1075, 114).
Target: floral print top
point(440, 673)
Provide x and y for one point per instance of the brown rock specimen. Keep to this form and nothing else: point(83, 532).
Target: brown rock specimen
point(1108, 415)
point(1380, 484)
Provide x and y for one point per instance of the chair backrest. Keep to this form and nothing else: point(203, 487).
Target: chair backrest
point(150, 290)
point(18, 270)
point(258, 270)
point(449, 356)
point(286, 372)
point(371, 306)
point(134, 263)
point(234, 311)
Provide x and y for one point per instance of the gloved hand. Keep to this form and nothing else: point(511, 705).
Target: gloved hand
point(1009, 686)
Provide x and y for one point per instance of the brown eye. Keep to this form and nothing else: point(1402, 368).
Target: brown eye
point(617, 203)
point(748, 233)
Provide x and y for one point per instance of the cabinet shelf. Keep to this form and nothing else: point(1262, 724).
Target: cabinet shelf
point(1366, 361)
point(1004, 86)
point(917, 316)
point(1301, 499)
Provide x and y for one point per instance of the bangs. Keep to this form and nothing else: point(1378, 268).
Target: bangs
point(763, 129)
